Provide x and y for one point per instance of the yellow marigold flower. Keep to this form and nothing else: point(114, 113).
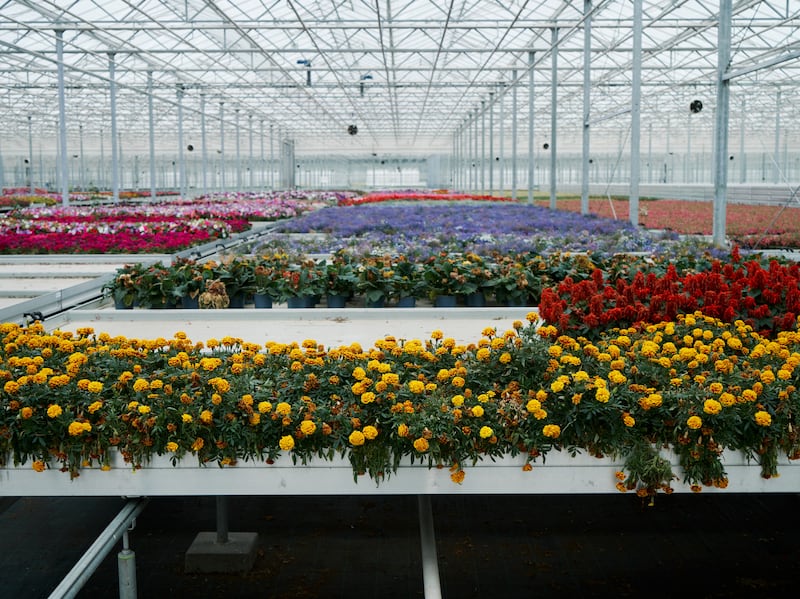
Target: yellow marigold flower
point(38, 465)
point(767, 377)
point(486, 432)
point(172, 447)
point(551, 430)
point(694, 422)
point(26, 412)
point(533, 405)
point(556, 386)
point(187, 418)
point(762, 418)
point(83, 384)
point(457, 401)
point(477, 411)
point(206, 417)
point(356, 438)
point(416, 386)
point(749, 395)
point(144, 409)
point(307, 427)
point(784, 374)
point(11, 387)
point(458, 476)
point(616, 377)
point(504, 358)
point(715, 387)
point(712, 406)
point(540, 414)
point(628, 420)
point(402, 430)
point(370, 432)
point(286, 443)
point(483, 354)
point(75, 428)
point(421, 444)
point(602, 395)
point(54, 410)
point(458, 381)
point(390, 378)
point(216, 399)
point(283, 409)
point(554, 351)
point(367, 397)
point(95, 387)
point(198, 444)
point(255, 419)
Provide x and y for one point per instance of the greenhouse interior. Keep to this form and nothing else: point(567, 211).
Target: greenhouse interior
point(408, 298)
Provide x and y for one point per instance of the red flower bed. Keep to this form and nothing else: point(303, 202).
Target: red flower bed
point(92, 242)
point(768, 299)
point(373, 198)
point(747, 225)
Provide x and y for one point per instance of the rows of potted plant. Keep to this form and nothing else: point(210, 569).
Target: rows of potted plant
point(445, 279)
point(695, 386)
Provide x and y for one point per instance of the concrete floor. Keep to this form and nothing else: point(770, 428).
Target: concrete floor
point(710, 546)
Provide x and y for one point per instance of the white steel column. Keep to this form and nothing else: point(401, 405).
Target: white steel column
point(82, 161)
point(114, 135)
point(262, 182)
point(553, 114)
point(221, 147)
point(531, 149)
point(30, 154)
point(501, 97)
point(491, 143)
point(776, 169)
point(476, 156)
point(250, 148)
point(204, 148)
point(152, 135)
point(636, 89)
point(587, 87)
point(238, 154)
point(271, 158)
point(514, 135)
point(721, 124)
point(483, 146)
point(742, 161)
point(62, 119)
point(181, 156)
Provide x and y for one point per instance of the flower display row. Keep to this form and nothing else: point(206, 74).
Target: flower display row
point(419, 230)
point(694, 386)
point(417, 195)
point(144, 227)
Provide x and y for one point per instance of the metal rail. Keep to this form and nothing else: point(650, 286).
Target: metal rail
point(94, 556)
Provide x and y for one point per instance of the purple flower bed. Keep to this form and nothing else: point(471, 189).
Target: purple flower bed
point(422, 229)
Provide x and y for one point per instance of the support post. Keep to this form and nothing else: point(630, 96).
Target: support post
point(30, 154)
point(114, 148)
point(126, 570)
point(221, 551)
point(587, 88)
point(238, 154)
point(491, 143)
point(151, 135)
point(483, 147)
point(636, 88)
point(62, 119)
point(181, 155)
point(501, 156)
point(222, 146)
point(204, 148)
point(514, 136)
point(531, 112)
point(553, 113)
point(721, 124)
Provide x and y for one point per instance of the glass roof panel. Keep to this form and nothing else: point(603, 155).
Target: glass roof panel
point(408, 73)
